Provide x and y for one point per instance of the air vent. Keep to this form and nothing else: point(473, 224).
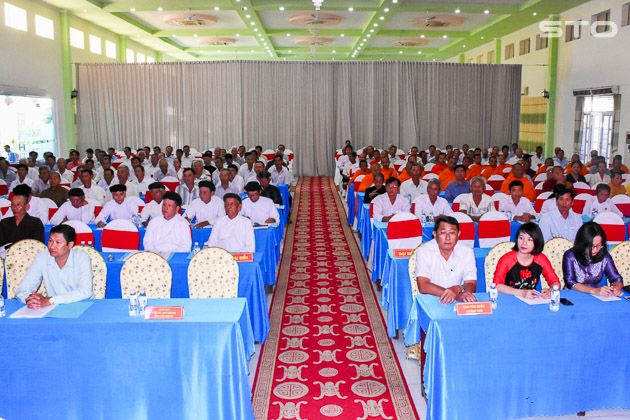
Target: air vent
point(606, 90)
point(190, 20)
point(217, 41)
point(437, 21)
point(314, 41)
point(410, 42)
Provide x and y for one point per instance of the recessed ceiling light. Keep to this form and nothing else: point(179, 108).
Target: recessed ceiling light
point(133, 9)
point(381, 18)
point(284, 58)
point(386, 9)
point(281, 8)
point(195, 35)
point(394, 1)
point(486, 12)
point(464, 46)
point(361, 44)
point(216, 8)
point(288, 34)
point(444, 36)
point(457, 11)
point(255, 29)
point(481, 37)
point(252, 22)
point(364, 40)
point(174, 36)
point(421, 36)
point(434, 59)
point(238, 35)
point(375, 25)
point(160, 9)
point(84, 10)
point(350, 9)
point(219, 51)
point(369, 35)
point(290, 51)
point(251, 51)
point(248, 16)
point(372, 30)
point(334, 51)
point(419, 52)
point(535, 13)
point(399, 52)
point(244, 8)
point(342, 35)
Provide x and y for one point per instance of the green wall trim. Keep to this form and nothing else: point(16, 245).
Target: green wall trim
point(497, 51)
point(551, 103)
point(462, 58)
point(122, 49)
point(158, 56)
point(66, 72)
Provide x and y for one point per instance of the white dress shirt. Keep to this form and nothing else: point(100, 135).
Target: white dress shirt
point(114, 211)
point(383, 206)
point(233, 235)
point(261, 210)
point(168, 235)
point(247, 174)
point(95, 192)
point(187, 195)
point(67, 176)
point(424, 206)
point(203, 212)
point(523, 206)
point(459, 267)
point(537, 162)
point(238, 184)
point(187, 161)
point(104, 185)
point(548, 205)
point(554, 225)
point(467, 203)
point(282, 177)
point(220, 191)
point(409, 189)
point(152, 210)
point(596, 178)
point(28, 181)
point(159, 175)
point(83, 214)
point(33, 173)
point(132, 190)
point(594, 204)
point(343, 159)
point(39, 186)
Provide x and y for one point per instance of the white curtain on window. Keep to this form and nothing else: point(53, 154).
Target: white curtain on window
point(310, 107)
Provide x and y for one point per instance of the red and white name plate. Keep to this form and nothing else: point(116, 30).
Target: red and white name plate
point(403, 253)
point(164, 312)
point(244, 257)
point(474, 308)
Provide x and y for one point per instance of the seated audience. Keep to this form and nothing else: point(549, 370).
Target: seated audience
point(188, 190)
point(141, 181)
point(617, 165)
point(476, 203)
point(520, 207)
point(76, 208)
point(518, 272)
point(66, 272)
point(89, 188)
point(491, 169)
point(237, 183)
point(169, 232)
point(616, 183)
point(164, 170)
point(575, 175)
point(153, 208)
point(18, 224)
point(119, 208)
point(280, 174)
point(448, 174)
point(108, 179)
point(42, 182)
point(562, 221)
point(224, 186)
point(600, 203)
point(414, 187)
point(246, 170)
point(363, 170)
point(123, 179)
point(386, 205)
point(368, 180)
point(268, 190)
point(233, 232)
point(585, 264)
point(206, 209)
point(518, 174)
point(432, 203)
point(375, 190)
point(444, 268)
point(6, 172)
point(22, 178)
point(256, 208)
point(459, 186)
point(386, 170)
point(600, 176)
point(55, 192)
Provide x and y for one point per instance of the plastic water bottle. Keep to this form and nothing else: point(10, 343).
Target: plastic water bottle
point(90, 244)
point(133, 303)
point(494, 295)
point(142, 302)
point(431, 219)
point(2, 310)
point(594, 213)
point(554, 305)
point(196, 248)
point(508, 214)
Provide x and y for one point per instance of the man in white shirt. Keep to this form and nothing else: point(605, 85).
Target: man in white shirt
point(233, 232)
point(76, 208)
point(246, 170)
point(538, 159)
point(601, 203)
point(259, 209)
point(33, 169)
point(520, 207)
point(42, 182)
point(414, 187)
point(123, 179)
point(476, 203)
point(561, 221)
point(120, 207)
point(164, 170)
point(236, 181)
point(560, 160)
point(279, 174)
point(187, 158)
point(200, 173)
point(432, 203)
point(206, 209)
point(153, 166)
point(67, 176)
point(169, 232)
point(386, 205)
point(22, 178)
point(444, 268)
point(188, 191)
point(153, 208)
point(89, 189)
point(141, 181)
point(224, 186)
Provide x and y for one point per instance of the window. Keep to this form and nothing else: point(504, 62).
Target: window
point(141, 58)
point(95, 44)
point(625, 15)
point(490, 57)
point(597, 125)
point(77, 39)
point(28, 122)
point(110, 49)
point(573, 31)
point(524, 47)
point(14, 17)
point(44, 27)
point(480, 59)
point(470, 60)
point(542, 42)
point(603, 21)
point(509, 51)
point(150, 59)
point(130, 55)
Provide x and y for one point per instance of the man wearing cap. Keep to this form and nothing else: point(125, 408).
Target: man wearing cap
point(206, 209)
point(259, 209)
point(267, 190)
point(169, 232)
point(77, 208)
point(153, 208)
point(233, 232)
point(118, 208)
point(19, 224)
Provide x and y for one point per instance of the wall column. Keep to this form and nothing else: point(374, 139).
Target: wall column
point(551, 102)
point(497, 51)
point(158, 56)
point(462, 58)
point(122, 49)
point(66, 72)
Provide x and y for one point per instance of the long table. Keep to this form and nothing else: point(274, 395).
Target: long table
point(106, 365)
point(522, 360)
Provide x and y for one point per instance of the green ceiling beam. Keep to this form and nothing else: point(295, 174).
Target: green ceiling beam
point(254, 24)
point(394, 50)
point(322, 32)
point(374, 25)
point(447, 7)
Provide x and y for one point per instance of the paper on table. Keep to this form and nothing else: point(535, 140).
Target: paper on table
point(26, 312)
point(537, 301)
point(607, 298)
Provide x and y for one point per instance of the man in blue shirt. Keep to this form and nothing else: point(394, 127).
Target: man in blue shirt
point(66, 272)
point(459, 186)
point(11, 156)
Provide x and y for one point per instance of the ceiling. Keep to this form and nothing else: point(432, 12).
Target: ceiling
point(344, 30)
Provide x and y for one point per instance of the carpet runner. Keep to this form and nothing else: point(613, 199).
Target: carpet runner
point(327, 354)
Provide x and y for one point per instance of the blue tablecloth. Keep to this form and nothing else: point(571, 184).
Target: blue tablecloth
point(365, 227)
point(250, 286)
point(360, 198)
point(351, 203)
point(522, 360)
point(106, 365)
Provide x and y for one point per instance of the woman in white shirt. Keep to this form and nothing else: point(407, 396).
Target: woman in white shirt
point(600, 176)
point(601, 203)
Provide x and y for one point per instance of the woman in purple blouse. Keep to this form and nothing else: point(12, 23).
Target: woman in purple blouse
point(585, 264)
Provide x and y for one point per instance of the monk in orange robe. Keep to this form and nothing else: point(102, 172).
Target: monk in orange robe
point(448, 175)
point(386, 170)
point(517, 174)
point(363, 170)
point(491, 169)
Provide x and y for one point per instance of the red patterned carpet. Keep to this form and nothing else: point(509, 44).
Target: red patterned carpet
point(328, 354)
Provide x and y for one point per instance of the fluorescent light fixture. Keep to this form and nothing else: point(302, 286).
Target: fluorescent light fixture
point(160, 9)
point(133, 9)
point(486, 12)
point(350, 9)
point(281, 8)
point(457, 11)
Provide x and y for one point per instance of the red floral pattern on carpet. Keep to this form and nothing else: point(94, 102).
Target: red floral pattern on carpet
point(327, 354)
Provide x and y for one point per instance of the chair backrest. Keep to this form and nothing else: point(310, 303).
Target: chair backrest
point(399, 165)
point(120, 236)
point(489, 190)
point(494, 228)
point(456, 201)
point(51, 205)
point(467, 230)
point(554, 250)
point(507, 170)
point(428, 167)
point(269, 154)
point(429, 176)
point(540, 178)
point(496, 181)
point(4, 188)
point(583, 188)
point(99, 270)
point(338, 154)
point(538, 188)
point(19, 258)
point(492, 260)
point(170, 182)
point(148, 197)
point(5, 205)
point(357, 182)
point(149, 271)
point(613, 226)
point(213, 273)
point(83, 231)
point(289, 153)
point(580, 201)
point(619, 254)
point(497, 198)
point(540, 200)
point(137, 201)
point(404, 231)
point(97, 205)
point(622, 202)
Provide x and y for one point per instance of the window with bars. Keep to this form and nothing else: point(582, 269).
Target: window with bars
point(509, 51)
point(542, 42)
point(490, 57)
point(524, 47)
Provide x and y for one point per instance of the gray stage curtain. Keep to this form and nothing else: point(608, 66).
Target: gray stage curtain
point(311, 107)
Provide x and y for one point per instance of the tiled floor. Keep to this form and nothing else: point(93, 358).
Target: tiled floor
point(411, 370)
